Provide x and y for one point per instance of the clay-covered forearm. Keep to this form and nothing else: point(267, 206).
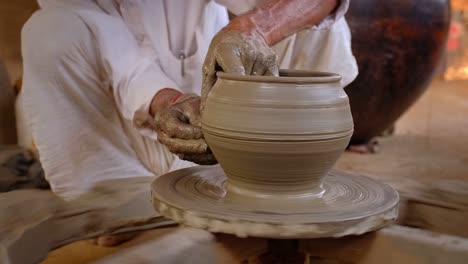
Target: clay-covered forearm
point(278, 19)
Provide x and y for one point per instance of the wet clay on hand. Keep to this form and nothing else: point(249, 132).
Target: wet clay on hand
point(178, 127)
point(239, 53)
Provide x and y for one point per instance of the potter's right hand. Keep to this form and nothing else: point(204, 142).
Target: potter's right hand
point(178, 127)
point(240, 51)
point(243, 46)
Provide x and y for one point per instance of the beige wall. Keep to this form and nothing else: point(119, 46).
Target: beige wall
point(13, 14)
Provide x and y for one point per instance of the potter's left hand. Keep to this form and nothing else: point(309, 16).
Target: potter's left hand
point(178, 126)
point(240, 51)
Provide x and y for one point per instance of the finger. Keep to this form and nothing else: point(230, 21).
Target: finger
point(191, 110)
point(175, 124)
point(209, 79)
point(249, 57)
point(259, 67)
point(177, 145)
point(271, 63)
point(200, 159)
point(209, 70)
point(229, 59)
point(210, 60)
point(206, 88)
point(195, 119)
point(272, 71)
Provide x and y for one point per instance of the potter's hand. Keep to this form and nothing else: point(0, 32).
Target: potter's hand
point(233, 51)
point(178, 126)
point(243, 46)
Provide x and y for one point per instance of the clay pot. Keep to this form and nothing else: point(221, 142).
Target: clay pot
point(398, 46)
point(277, 135)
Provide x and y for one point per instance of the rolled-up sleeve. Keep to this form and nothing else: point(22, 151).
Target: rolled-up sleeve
point(238, 7)
point(335, 16)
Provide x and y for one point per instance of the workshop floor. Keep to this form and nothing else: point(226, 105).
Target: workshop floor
point(430, 143)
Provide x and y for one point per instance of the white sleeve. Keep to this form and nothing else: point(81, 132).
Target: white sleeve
point(74, 120)
point(334, 17)
point(107, 45)
point(320, 50)
point(134, 78)
point(238, 7)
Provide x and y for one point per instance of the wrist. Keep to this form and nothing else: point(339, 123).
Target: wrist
point(245, 24)
point(176, 98)
point(162, 99)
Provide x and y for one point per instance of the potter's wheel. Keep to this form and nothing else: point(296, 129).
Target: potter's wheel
point(350, 204)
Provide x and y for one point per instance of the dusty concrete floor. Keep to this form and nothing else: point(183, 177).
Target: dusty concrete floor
point(430, 143)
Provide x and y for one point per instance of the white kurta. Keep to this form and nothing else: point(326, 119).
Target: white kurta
point(90, 65)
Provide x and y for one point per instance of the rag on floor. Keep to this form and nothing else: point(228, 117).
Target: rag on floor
point(20, 169)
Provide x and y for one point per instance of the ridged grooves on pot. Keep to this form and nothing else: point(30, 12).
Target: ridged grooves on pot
point(277, 136)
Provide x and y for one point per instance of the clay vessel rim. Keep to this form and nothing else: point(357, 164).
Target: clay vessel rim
point(286, 76)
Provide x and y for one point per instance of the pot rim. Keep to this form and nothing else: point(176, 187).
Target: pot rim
point(286, 76)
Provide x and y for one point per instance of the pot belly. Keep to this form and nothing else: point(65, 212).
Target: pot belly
point(291, 168)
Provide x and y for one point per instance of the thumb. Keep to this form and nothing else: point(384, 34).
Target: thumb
point(229, 59)
point(208, 83)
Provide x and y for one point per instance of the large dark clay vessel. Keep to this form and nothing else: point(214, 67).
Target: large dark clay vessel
point(398, 47)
